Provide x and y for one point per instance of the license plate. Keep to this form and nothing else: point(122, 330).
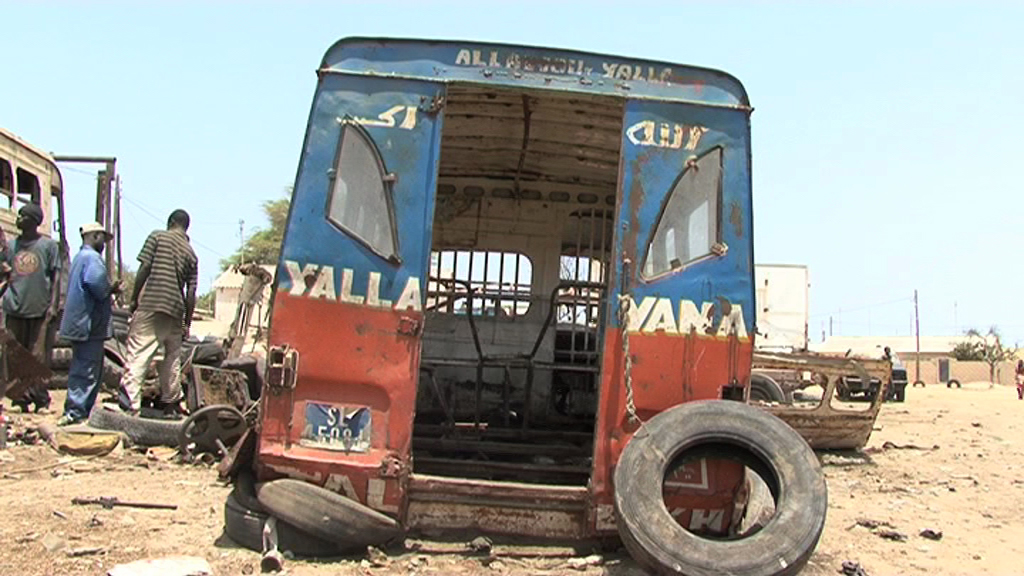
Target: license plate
point(333, 427)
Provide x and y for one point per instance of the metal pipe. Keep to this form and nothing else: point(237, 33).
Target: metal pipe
point(86, 159)
point(117, 229)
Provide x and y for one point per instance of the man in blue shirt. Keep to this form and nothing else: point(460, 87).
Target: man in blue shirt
point(86, 322)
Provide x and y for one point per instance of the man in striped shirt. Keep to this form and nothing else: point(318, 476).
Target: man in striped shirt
point(162, 305)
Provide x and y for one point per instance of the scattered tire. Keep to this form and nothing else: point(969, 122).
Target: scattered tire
point(244, 519)
point(142, 431)
point(918, 383)
point(765, 389)
point(953, 382)
point(326, 514)
point(763, 443)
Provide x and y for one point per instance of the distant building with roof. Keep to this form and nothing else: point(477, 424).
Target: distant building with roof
point(227, 288)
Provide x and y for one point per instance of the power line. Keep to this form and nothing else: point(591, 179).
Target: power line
point(861, 308)
point(79, 170)
point(159, 219)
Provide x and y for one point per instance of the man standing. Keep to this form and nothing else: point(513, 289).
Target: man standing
point(162, 304)
point(31, 298)
point(86, 322)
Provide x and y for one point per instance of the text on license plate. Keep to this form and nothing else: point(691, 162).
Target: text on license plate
point(334, 427)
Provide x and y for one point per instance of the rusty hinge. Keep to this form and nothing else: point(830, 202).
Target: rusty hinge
point(392, 467)
point(435, 105)
point(409, 326)
point(282, 366)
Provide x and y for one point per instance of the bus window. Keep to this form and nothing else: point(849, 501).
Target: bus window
point(688, 227)
point(6, 181)
point(360, 201)
point(28, 188)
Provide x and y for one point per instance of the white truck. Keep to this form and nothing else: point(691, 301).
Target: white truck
point(782, 299)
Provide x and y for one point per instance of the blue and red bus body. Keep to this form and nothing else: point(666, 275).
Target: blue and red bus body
point(354, 316)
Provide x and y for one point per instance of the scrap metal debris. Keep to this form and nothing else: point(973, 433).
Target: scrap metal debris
point(480, 545)
point(109, 502)
point(872, 524)
point(931, 534)
point(377, 557)
point(586, 562)
point(852, 569)
point(892, 535)
point(894, 446)
point(87, 551)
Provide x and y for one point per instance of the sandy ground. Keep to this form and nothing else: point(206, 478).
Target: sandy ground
point(965, 479)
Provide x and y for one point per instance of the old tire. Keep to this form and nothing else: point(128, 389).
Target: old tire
point(326, 514)
point(142, 431)
point(765, 444)
point(765, 389)
point(244, 519)
point(953, 382)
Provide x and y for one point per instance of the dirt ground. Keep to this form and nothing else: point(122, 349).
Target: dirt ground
point(946, 460)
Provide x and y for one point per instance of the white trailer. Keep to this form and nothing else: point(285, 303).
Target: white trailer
point(782, 298)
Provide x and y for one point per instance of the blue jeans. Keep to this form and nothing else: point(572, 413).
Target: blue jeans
point(84, 378)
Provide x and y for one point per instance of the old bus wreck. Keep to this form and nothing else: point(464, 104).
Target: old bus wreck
point(515, 297)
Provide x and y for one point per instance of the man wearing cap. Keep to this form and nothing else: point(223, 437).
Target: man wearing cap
point(31, 298)
point(86, 322)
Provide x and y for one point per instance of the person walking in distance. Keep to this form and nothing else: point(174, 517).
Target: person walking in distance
point(86, 322)
point(1020, 379)
point(162, 304)
point(30, 301)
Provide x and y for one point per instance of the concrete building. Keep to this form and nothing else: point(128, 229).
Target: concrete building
point(227, 287)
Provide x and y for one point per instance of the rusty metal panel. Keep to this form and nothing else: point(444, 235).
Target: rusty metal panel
point(220, 386)
point(532, 66)
point(541, 511)
point(568, 139)
point(23, 155)
point(23, 368)
point(824, 426)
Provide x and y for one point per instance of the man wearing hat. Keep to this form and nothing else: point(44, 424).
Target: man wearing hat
point(86, 322)
point(31, 298)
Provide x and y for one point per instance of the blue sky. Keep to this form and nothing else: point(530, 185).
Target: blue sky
point(883, 135)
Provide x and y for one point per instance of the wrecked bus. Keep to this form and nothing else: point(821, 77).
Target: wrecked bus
point(515, 296)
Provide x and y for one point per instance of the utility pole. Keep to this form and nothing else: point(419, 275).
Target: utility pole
point(241, 241)
point(116, 227)
point(829, 325)
point(917, 334)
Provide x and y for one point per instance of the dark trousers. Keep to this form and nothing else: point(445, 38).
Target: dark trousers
point(84, 378)
point(27, 332)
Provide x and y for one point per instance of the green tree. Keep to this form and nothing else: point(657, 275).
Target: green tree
point(264, 245)
point(988, 348)
point(968, 352)
point(207, 301)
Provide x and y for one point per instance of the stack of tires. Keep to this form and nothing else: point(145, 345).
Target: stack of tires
point(311, 521)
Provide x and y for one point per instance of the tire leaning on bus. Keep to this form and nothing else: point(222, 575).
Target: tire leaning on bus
point(326, 514)
point(764, 444)
point(244, 519)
